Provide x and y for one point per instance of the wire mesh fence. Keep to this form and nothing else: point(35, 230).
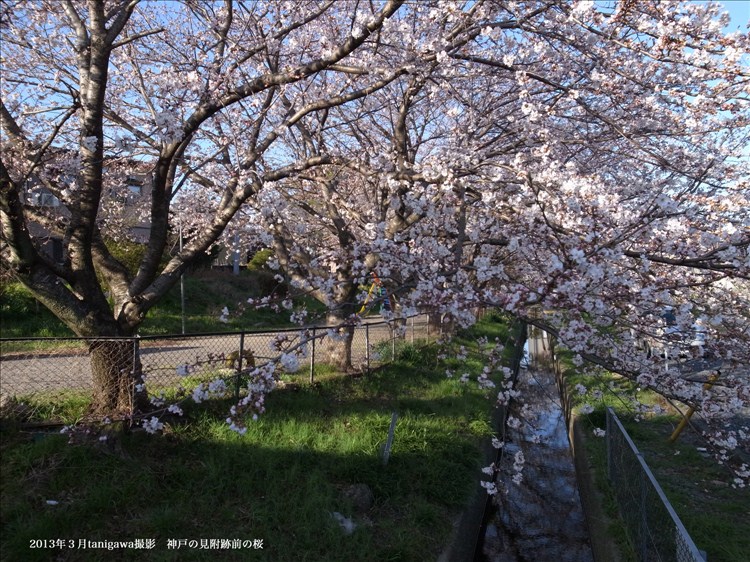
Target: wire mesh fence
point(38, 375)
point(653, 525)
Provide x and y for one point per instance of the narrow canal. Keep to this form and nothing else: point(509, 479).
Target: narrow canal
point(539, 519)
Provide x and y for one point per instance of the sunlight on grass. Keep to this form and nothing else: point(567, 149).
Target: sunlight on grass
point(279, 482)
point(66, 407)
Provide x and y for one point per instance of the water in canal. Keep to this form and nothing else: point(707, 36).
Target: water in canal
point(541, 518)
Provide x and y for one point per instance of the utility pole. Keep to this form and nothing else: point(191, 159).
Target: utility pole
point(182, 288)
point(236, 260)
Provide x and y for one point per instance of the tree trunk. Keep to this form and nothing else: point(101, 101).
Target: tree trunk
point(435, 320)
point(116, 372)
point(397, 328)
point(448, 327)
point(338, 351)
point(441, 324)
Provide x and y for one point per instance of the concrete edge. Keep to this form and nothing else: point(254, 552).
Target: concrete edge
point(462, 543)
point(603, 546)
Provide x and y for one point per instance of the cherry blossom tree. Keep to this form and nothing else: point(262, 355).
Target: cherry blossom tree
point(584, 168)
point(190, 91)
point(609, 148)
point(582, 165)
point(330, 227)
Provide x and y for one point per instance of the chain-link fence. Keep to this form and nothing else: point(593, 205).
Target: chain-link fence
point(38, 375)
point(656, 530)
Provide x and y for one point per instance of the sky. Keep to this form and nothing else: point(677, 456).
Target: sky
point(739, 11)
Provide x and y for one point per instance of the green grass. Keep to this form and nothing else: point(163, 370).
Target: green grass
point(206, 294)
point(67, 407)
point(21, 315)
point(279, 482)
point(714, 514)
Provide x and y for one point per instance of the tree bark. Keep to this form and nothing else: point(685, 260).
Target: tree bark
point(397, 328)
point(117, 374)
point(338, 351)
point(435, 320)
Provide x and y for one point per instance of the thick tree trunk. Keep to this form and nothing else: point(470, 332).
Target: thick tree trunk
point(116, 371)
point(338, 351)
point(435, 320)
point(397, 328)
point(441, 324)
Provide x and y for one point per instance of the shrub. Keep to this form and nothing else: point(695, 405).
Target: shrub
point(259, 261)
point(126, 252)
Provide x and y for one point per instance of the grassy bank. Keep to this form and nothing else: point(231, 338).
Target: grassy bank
point(714, 514)
point(206, 294)
point(279, 483)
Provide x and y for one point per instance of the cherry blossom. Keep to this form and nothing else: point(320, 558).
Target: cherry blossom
point(580, 166)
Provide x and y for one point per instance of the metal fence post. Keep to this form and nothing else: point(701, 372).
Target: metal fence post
point(312, 358)
point(137, 375)
point(367, 346)
point(239, 367)
point(136, 349)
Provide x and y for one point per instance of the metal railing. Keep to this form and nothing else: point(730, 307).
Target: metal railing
point(657, 532)
point(52, 370)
